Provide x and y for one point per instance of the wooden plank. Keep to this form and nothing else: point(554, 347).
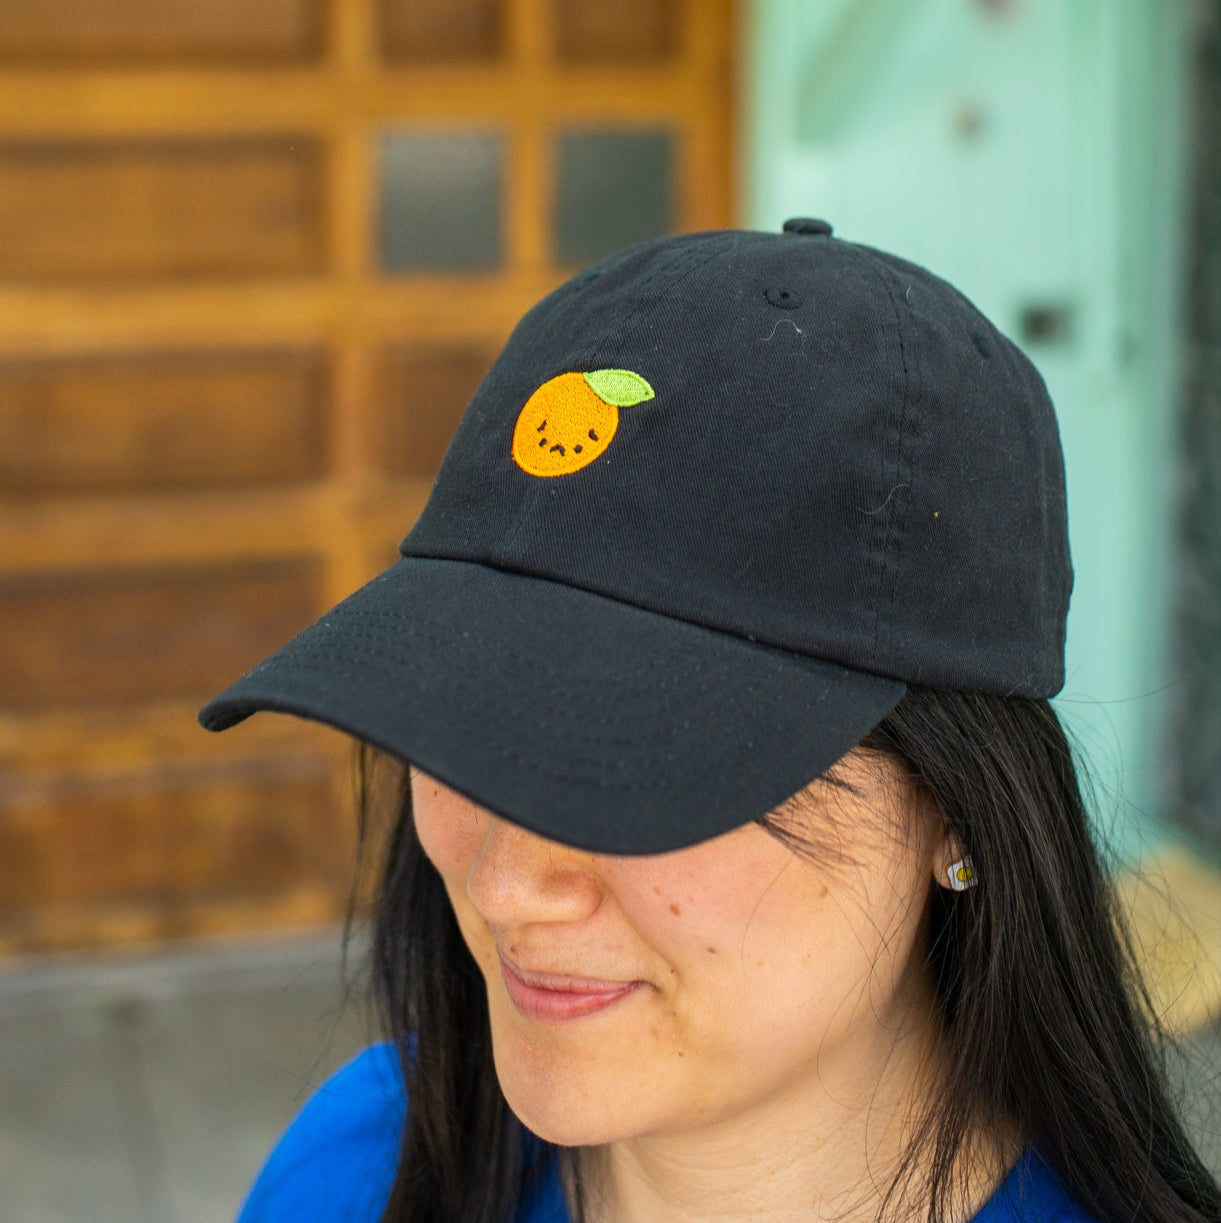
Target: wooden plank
point(155, 103)
point(73, 927)
point(352, 41)
point(38, 748)
point(55, 32)
point(352, 204)
point(92, 535)
point(642, 93)
point(353, 376)
point(704, 184)
point(98, 533)
point(628, 31)
point(529, 197)
point(66, 321)
point(136, 422)
point(84, 210)
point(441, 30)
point(709, 157)
point(529, 30)
point(117, 636)
point(421, 393)
point(174, 853)
point(165, 840)
point(158, 102)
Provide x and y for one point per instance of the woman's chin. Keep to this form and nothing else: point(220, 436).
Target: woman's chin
point(568, 1082)
point(566, 1123)
point(567, 1105)
point(567, 1131)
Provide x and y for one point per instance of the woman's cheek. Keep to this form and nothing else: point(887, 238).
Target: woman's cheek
point(448, 829)
point(693, 906)
point(448, 826)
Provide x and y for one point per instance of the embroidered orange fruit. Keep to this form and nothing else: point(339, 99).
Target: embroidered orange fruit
point(572, 418)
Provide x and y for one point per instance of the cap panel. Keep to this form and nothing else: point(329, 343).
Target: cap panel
point(788, 413)
point(981, 589)
point(482, 506)
point(888, 472)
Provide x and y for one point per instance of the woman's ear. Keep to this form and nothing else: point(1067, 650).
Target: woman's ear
point(954, 869)
point(951, 863)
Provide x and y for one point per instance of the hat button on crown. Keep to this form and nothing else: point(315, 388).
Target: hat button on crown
point(806, 225)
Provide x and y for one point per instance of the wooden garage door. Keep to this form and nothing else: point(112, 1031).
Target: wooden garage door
point(253, 260)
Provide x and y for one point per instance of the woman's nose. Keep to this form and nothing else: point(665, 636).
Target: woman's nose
point(518, 878)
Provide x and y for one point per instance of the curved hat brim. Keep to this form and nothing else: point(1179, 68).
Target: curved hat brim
point(589, 721)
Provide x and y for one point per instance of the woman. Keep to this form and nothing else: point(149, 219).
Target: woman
point(741, 869)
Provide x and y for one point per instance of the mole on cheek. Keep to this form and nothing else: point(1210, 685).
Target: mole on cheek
point(676, 910)
point(710, 950)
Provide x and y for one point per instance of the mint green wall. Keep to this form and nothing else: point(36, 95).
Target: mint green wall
point(1032, 152)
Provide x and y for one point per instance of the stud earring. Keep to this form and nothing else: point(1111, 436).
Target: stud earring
point(961, 874)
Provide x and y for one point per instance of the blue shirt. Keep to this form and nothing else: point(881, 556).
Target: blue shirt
point(336, 1162)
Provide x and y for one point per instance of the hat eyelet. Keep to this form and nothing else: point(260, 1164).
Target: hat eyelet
point(784, 297)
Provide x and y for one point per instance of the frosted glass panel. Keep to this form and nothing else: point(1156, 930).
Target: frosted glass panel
point(440, 200)
point(615, 188)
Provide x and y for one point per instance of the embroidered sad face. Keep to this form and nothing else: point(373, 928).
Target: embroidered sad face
point(572, 418)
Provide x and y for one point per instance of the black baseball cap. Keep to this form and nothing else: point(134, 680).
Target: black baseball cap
point(721, 498)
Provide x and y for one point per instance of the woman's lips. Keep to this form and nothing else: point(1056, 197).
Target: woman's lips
point(548, 997)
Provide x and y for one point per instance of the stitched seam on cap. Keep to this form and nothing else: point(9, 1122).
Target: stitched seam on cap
point(888, 577)
point(903, 499)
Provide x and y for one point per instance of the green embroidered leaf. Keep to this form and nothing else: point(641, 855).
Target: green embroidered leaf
point(619, 386)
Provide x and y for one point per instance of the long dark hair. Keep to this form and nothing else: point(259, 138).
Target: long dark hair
point(1050, 1031)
